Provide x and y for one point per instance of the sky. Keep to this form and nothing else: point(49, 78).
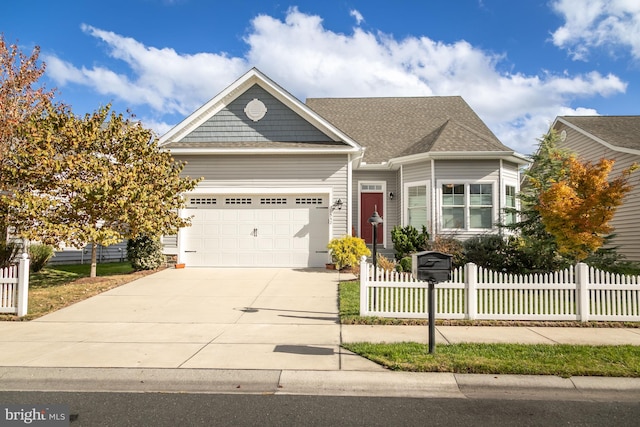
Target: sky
point(518, 64)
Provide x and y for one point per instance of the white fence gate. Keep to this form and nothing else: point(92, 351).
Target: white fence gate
point(14, 287)
point(582, 293)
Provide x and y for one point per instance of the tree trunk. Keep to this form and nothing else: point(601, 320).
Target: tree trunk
point(94, 262)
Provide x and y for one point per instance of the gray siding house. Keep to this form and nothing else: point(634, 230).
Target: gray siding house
point(611, 137)
point(283, 177)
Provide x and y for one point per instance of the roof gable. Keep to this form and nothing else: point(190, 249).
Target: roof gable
point(223, 124)
point(395, 127)
point(622, 132)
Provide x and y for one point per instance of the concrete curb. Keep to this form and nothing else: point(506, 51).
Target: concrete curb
point(319, 383)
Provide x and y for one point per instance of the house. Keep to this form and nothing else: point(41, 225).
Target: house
point(283, 177)
point(611, 137)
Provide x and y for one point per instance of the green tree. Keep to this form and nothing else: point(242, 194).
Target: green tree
point(538, 248)
point(95, 179)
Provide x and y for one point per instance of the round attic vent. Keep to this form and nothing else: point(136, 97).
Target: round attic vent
point(563, 135)
point(255, 109)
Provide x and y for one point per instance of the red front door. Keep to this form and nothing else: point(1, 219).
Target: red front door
point(370, 202)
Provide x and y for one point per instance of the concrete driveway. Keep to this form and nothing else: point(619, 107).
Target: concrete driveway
point(267, 318)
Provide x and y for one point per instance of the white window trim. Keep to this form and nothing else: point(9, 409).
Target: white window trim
point(384, 206)
point(503, 198)
point(405, 202)
point(494, 211)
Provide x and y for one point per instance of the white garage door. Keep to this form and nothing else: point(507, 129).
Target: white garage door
point(256, 231)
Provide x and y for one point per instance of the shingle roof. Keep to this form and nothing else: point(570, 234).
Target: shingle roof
point(620, 131)
point(397, 127)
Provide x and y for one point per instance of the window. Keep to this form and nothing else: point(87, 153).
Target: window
point(453, 201)
point(480, 206)
point(467, 206)
point(417, 206)
point(510, 202)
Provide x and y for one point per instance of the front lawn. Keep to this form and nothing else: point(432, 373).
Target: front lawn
point(517, 359)
point(57, 286)
point(562, 360)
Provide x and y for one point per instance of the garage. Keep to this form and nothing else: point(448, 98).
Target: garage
point(256, 231)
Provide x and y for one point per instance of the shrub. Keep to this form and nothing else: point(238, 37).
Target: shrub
point(385, 263)
point(405, 264)
point(347, 251)
point(407, 240)
point(451, 246)
point(496, 253)
point(39, 256)
point(145, 253)
point(8, 251)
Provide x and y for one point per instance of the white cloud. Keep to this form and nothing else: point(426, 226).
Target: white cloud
point(162, 79)
point(311, 61)
point(598, 24)
point(357, 15)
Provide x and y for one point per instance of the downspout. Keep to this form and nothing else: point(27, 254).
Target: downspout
point(501, 195)
point(400, 197)
point(433, 198)
point(349, 195)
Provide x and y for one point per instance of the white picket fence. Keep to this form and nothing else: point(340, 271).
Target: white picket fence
point(580, 293)
point(14, 287)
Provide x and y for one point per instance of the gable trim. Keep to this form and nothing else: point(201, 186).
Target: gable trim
point(593, 137)
point(229, 94)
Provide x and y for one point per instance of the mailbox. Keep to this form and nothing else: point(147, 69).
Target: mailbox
point(431, 266)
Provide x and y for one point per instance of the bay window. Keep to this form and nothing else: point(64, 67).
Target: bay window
point(467, 206)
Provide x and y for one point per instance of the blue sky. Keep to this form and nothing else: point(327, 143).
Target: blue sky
point(519, 64)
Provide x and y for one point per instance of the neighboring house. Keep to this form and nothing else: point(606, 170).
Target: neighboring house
point(282, 178)
point(611, 137)
point(113, 253)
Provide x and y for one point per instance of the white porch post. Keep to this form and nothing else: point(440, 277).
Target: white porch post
point(23, 285)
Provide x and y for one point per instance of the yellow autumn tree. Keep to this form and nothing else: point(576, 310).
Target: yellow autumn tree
point(577, 209)
point(99, 178)
point(20, 98)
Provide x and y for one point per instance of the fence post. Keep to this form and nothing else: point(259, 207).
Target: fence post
point(364, 285)
point(582, 286)
point(23, 285)
point(471, 282)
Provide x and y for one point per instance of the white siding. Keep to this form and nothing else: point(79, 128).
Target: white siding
point(276, 172)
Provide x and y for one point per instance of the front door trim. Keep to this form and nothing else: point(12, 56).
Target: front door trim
point(373, 187)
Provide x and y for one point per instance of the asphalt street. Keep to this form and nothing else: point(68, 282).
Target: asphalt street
point(171, 409)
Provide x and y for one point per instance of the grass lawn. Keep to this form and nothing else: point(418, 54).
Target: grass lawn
point(562, 360)
point(58, 286)
point(540, 359)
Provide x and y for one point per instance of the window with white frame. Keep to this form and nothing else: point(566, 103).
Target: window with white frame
point(417, 206)
point(453, 206)
point(466, 206)
point(510, 202)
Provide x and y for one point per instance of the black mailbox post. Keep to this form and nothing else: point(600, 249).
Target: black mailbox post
point(433, 267)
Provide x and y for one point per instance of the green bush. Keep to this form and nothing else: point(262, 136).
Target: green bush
point(39, 256)
point(145, 253)
point(496, 253)
point(347, 251)
point(8, 251)
point(405, 264)
point(451, 246)
point(408, 240)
